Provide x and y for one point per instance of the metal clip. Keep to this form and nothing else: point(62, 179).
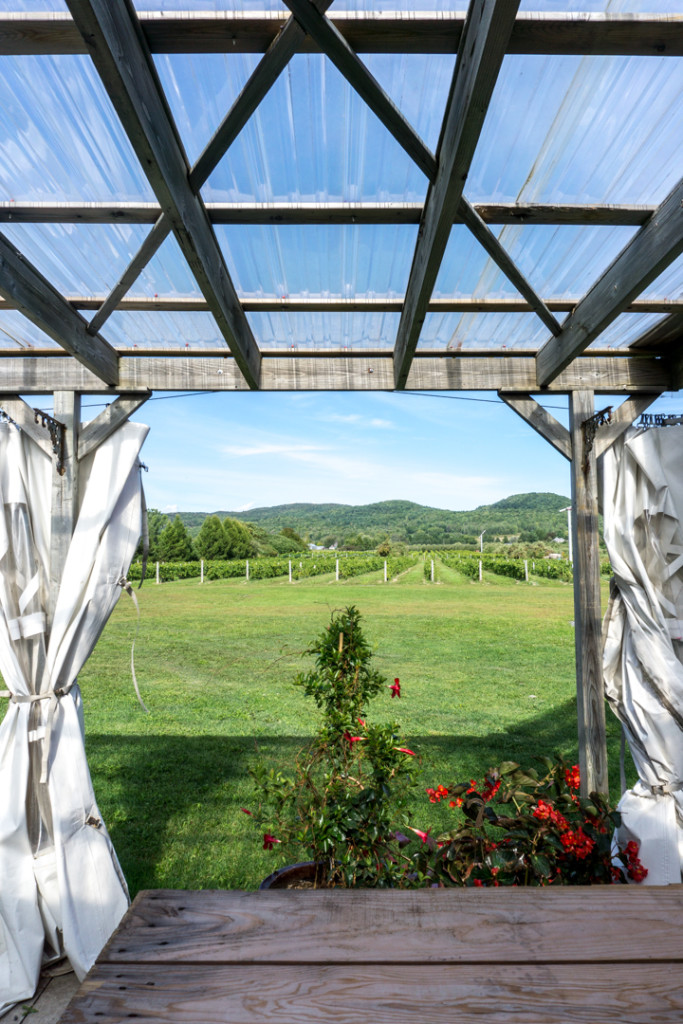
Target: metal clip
point(590, 428)
point(57, 431)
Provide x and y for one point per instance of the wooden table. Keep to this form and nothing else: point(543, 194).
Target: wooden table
point(520, 956)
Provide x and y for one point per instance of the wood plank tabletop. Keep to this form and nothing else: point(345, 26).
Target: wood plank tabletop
point(609, 954)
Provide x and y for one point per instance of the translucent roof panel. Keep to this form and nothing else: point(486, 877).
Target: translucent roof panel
point(338, 260)
point(612, 6)
point(18, 332)
point(581, 129)
point(669, 284)
point(627, 328)
point(466, 270)
point(78, 259)
point(319, 331)
point(137, 329)
point(460, 331)
point(562, 261)
point(312, 138)
point(59, 137)
point(167, 273)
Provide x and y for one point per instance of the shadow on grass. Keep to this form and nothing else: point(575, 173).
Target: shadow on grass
point(172, 800)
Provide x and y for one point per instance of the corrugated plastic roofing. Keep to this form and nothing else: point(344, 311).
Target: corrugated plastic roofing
point(560, 129)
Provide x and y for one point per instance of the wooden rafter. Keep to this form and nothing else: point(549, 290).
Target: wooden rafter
point(482, 50)
point(358, 76)
point(324, 213)
point(263, 77)
point(651, 340)
point(368, 31)
point(649, 252)
point(290, 371)
point(125, 66)
point(31, 293)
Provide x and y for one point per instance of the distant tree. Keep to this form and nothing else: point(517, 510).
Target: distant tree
point(241, 543)
point(212, 540)
point(175, 543)
point(292, 535)
point(384, 548)
point(156, 522)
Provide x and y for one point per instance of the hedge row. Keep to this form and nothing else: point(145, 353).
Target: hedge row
point(303, 567)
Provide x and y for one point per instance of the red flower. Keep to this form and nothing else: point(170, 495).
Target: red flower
point(573, 777)
point(245, 811)
point(577, 843)
point(490, 790)
point(352, 739)
point(361, 722)
point(424, 836)
point(269, 841)
point(404, 750)
point(546, 812)
point(478, 882)
point(395, 689)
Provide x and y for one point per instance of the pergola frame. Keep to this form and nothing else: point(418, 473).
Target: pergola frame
point(121, 43)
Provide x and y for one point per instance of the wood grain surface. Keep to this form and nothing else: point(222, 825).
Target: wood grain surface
point(371, 994)
point(513, 925)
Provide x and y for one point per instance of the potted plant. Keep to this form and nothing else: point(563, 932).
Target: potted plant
point(522, 827)
point(340, 808)
point(340, 817)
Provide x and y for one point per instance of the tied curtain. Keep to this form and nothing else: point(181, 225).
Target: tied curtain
point(643, 637)
point(61, 887)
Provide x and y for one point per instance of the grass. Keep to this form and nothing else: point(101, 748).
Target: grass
point(487, 673)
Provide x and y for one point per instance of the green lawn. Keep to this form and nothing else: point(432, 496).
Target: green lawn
point(487, 674)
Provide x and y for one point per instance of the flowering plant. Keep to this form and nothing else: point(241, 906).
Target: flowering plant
point(524, 828)
point(341, 806)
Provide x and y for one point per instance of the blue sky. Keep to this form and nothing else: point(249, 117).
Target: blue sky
point(239, 451)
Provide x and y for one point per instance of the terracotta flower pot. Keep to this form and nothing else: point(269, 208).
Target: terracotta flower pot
point(293, 876)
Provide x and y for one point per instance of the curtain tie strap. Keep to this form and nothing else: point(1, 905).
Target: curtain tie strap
point(31, 698)
point(665, 789)
point(125, 585)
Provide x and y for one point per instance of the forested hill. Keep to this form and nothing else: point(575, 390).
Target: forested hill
point(532, 516)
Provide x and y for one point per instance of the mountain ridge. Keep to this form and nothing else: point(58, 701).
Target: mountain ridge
point(528, 513)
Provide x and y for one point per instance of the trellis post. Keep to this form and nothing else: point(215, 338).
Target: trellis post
point(587, 609)
point(64, 500)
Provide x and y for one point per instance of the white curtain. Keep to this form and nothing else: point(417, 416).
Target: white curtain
point(60, 880)
point(643, 528)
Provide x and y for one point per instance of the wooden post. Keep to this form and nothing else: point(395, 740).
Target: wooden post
point(336, 570)
point(587, 611)
point(526, 570)
point(385, 570)
point(432, 571)
point(64, 507)
point(290, 570)
point(158, 573)
point(247, 570)
point(481, 574)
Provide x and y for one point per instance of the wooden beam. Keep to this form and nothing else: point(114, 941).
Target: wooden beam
point(622, 418)
point(543, 422)
point(285, 371)
point(366, 31)
point(348, 63)
point(64, 502)
point(482, 49)
point(324, 213)
point(308, 304)
point(587, 612)
point(41, 303)
point(648, 253)
point(24, 416)
point(92, 434)
point(125, 66)
point(263, 77)
point(152, 242)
